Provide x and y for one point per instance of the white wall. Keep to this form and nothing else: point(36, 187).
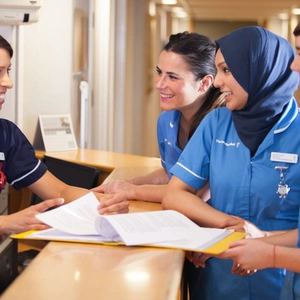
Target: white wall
point(47, 67)
point(45, 59)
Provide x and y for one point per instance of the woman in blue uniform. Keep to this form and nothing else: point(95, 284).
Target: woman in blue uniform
point(276, 251)
point(20, 168)
point(185, 73)
point(249, 152)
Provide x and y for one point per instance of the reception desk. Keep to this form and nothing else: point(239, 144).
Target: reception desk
point(87, 271)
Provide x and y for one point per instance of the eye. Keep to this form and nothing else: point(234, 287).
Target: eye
point(158, 71)
point(8, 70)
point(226, 70)
point(173, 77)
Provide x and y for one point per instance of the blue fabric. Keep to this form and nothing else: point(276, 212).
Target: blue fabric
point(167, 133)
point(291, 285)
point(260, 62)
point(20, 164)
point(245, 187)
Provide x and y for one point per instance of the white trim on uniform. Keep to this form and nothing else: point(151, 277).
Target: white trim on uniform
point(18, 179)
point(181, 165)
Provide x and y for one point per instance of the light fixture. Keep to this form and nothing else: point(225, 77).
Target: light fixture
point(169, 2)
point(283, 16)
point(296, 11)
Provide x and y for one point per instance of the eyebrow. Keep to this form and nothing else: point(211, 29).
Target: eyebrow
point(169, 73)
point(221, 63)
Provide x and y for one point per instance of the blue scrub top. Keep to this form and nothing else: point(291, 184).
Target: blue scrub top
point(245, 187)
point(291, 285)
point(17, 155)
point(167, 133)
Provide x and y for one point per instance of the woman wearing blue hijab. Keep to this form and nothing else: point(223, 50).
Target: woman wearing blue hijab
point(248, 151)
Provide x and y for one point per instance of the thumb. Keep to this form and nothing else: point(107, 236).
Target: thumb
point(46, 204)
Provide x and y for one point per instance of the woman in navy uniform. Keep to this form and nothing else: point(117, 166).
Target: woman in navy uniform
point(20, 168)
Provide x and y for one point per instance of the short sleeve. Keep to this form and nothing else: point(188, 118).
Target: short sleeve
point(20, 164)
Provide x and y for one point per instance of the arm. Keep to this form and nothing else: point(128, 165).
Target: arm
point(49, 187)
point(150, 187)
point(261, 253)
point(239, 224)
point(25, 220)
point(181, 197)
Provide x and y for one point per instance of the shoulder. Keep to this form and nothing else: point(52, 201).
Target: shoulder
point(9, 129)
point(218, 115)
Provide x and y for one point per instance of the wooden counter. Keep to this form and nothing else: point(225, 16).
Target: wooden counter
point(88, 271)
point(81, 271)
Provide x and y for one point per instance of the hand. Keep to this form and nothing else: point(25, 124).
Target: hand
point(112, 204)
point(25, 219)
point(249, 255)
point(117, 186)
point(197, 258)
point(241, 225)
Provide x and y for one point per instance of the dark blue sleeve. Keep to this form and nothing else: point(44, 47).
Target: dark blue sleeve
point(20, 165)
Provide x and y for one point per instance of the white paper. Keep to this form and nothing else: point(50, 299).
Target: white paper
point(80, 221)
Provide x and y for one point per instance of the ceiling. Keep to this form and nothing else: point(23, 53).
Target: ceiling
point(237, 10)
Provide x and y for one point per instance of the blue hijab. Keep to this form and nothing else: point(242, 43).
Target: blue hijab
point(260, 62)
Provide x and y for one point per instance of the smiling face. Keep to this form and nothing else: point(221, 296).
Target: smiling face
point(5, 81)
point(176, 83)
point(235, 96)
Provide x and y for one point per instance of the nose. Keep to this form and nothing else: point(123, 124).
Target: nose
point(6, 81)
point(160, 82)
point(295, 65)
point(217, 81)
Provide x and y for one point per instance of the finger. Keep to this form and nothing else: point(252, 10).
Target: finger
point(37, 226)
point(227, 223)
point(98, 189)
point(236, 244)
point(46, 204)
point(109, 200)
point(189, 255)
point(122, 211)
point(122, 207)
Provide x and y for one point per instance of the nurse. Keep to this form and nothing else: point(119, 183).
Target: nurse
point(277, 251)
point(20, 168)
point(185, 75)
point(249, 152)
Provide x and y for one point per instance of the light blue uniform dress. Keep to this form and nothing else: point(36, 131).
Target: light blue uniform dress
point(244, 187)
point(291, 285)
point(167, 132)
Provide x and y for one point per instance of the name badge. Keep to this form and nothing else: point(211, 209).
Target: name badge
point(2, 156)
point(284, 157)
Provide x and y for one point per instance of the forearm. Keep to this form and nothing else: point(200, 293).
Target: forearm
point(4, 229)
point(287, 258)
point(49, 187)
point(153, 193)
point(280, 238)
point(180, 197)
point(156, 177)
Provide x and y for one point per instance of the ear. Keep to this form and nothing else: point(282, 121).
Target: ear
point(207, 81)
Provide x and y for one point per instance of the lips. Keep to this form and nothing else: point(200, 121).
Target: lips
point(166, 96)
point(226, 94)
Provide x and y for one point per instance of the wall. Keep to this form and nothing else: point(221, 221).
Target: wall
point(45, 65)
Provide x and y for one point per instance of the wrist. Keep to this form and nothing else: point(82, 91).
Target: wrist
point(3, 222)
point(131, 193)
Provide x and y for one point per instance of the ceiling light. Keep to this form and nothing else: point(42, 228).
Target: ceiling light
point(169, 2)
point(296, 11)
